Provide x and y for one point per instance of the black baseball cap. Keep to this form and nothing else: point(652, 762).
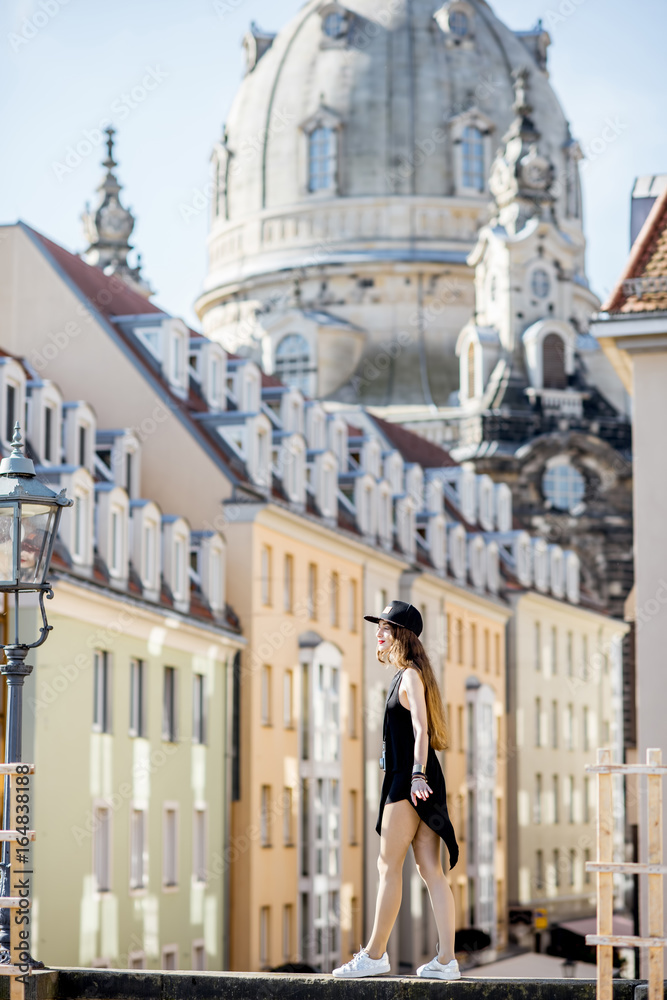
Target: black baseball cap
point(400, 613)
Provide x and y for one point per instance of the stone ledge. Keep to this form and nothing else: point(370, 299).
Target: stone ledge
point(117, 984)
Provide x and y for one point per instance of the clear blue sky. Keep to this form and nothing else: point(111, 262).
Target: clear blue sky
point(606, 61)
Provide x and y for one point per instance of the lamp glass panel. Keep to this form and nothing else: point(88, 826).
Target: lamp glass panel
point(7, 561)
point(37, 529)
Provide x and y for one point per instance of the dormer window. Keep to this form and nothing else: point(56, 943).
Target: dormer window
point(366, 506)
point(148, 573)
point(385, 519)
point(293, 364)
point(326, 484)
point(474, 160)
point(322, 159)
point(457, 552)
point(175, 559)
point(12, 383)
point(112, 531)
point(471, 135)
point(334, 25)
point(553, 362)
point(146, 521)
point(77, 524)
point(471, 373)
point(338, 438)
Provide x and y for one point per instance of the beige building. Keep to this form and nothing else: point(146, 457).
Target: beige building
point(632, 331)
point(126, 713)
point(564, 701)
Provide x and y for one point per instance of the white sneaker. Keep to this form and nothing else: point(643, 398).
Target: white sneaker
point(434, 970)
point(363, 965)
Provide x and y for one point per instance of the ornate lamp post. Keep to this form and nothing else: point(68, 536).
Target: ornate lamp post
point(29, 518)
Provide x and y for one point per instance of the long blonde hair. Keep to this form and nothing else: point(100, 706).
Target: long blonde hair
point(407, 651)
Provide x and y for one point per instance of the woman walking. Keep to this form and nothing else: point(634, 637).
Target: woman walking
point(413, 803)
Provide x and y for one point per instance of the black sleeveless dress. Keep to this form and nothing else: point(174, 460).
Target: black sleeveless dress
point(399, 742)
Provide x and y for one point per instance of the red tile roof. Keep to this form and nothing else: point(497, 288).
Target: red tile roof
point(107, 293)
point(414, 448)
point(647, 260)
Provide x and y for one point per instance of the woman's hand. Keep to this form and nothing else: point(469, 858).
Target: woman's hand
point(420, 790)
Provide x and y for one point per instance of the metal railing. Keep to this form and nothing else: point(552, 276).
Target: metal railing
point(606, 868)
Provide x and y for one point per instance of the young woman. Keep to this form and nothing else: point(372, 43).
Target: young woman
point(413, 804)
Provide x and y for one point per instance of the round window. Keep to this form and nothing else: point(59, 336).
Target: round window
point(333, 25)
point(540, 283)
point(459, 24)
point(564, 486)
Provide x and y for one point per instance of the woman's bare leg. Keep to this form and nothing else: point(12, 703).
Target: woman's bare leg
point(399, 825)
point(426, 845)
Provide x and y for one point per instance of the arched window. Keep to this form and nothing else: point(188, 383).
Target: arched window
point(293, 365)
point(471, 371)
point(553, 362)
point(321, 159)
point(473, 159)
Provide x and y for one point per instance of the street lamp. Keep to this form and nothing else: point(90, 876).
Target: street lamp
point(29, 518)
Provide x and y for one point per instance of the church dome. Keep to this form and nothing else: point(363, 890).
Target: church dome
point(392, 83)
point(362, 137)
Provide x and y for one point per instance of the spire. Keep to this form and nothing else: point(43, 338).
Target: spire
point(521, 177)
point(108, 228)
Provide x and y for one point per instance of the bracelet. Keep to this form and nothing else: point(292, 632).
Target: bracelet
point(419, 769)
point(418, 777)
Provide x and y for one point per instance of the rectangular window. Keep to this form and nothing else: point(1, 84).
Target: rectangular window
point(102, 692)
point(538, 646)
point(335, 600)
point(288, 921)
point(198, 956)
point(473, 646)
point(149, 555)
point(487, 651)
point(354, 800)
point(587, 799)
point(288, 584)
point(539, 871)
point(129, 480)
point(199, 844)
point(554, 650)
point(587, 874)
point(265, 816)
point(459, 640)
point(569, 798)
point(198, 708)
point(305, 828)
point(554, 725)
point(137, 698)
point(102, 848)
point(584, 665)
point(312, 591)
point(570, 655)
point(10, 418)
point(138, 849)
point(586, 728)
point(266, 695)
point(169, 716)
point(48, 433)
point(170, 846)
point(288, 699)
point(79, 526)
point(137, 960)
point(556, 868)
point(537, 810)
point(556, 806)
point(538, 722)
point(83, 444)
point(496, 643)
point(266, 574)
point(264, 931)
point(354, 709)
point(459, 728)
point(569, 727)
point(288, 826)
point(170, 958)
point(448, 651)
point(116, 540)
point(572, 865)
point(352, 607)
point(305, 712)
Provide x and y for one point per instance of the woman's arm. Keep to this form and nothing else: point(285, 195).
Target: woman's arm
point(413, 686)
